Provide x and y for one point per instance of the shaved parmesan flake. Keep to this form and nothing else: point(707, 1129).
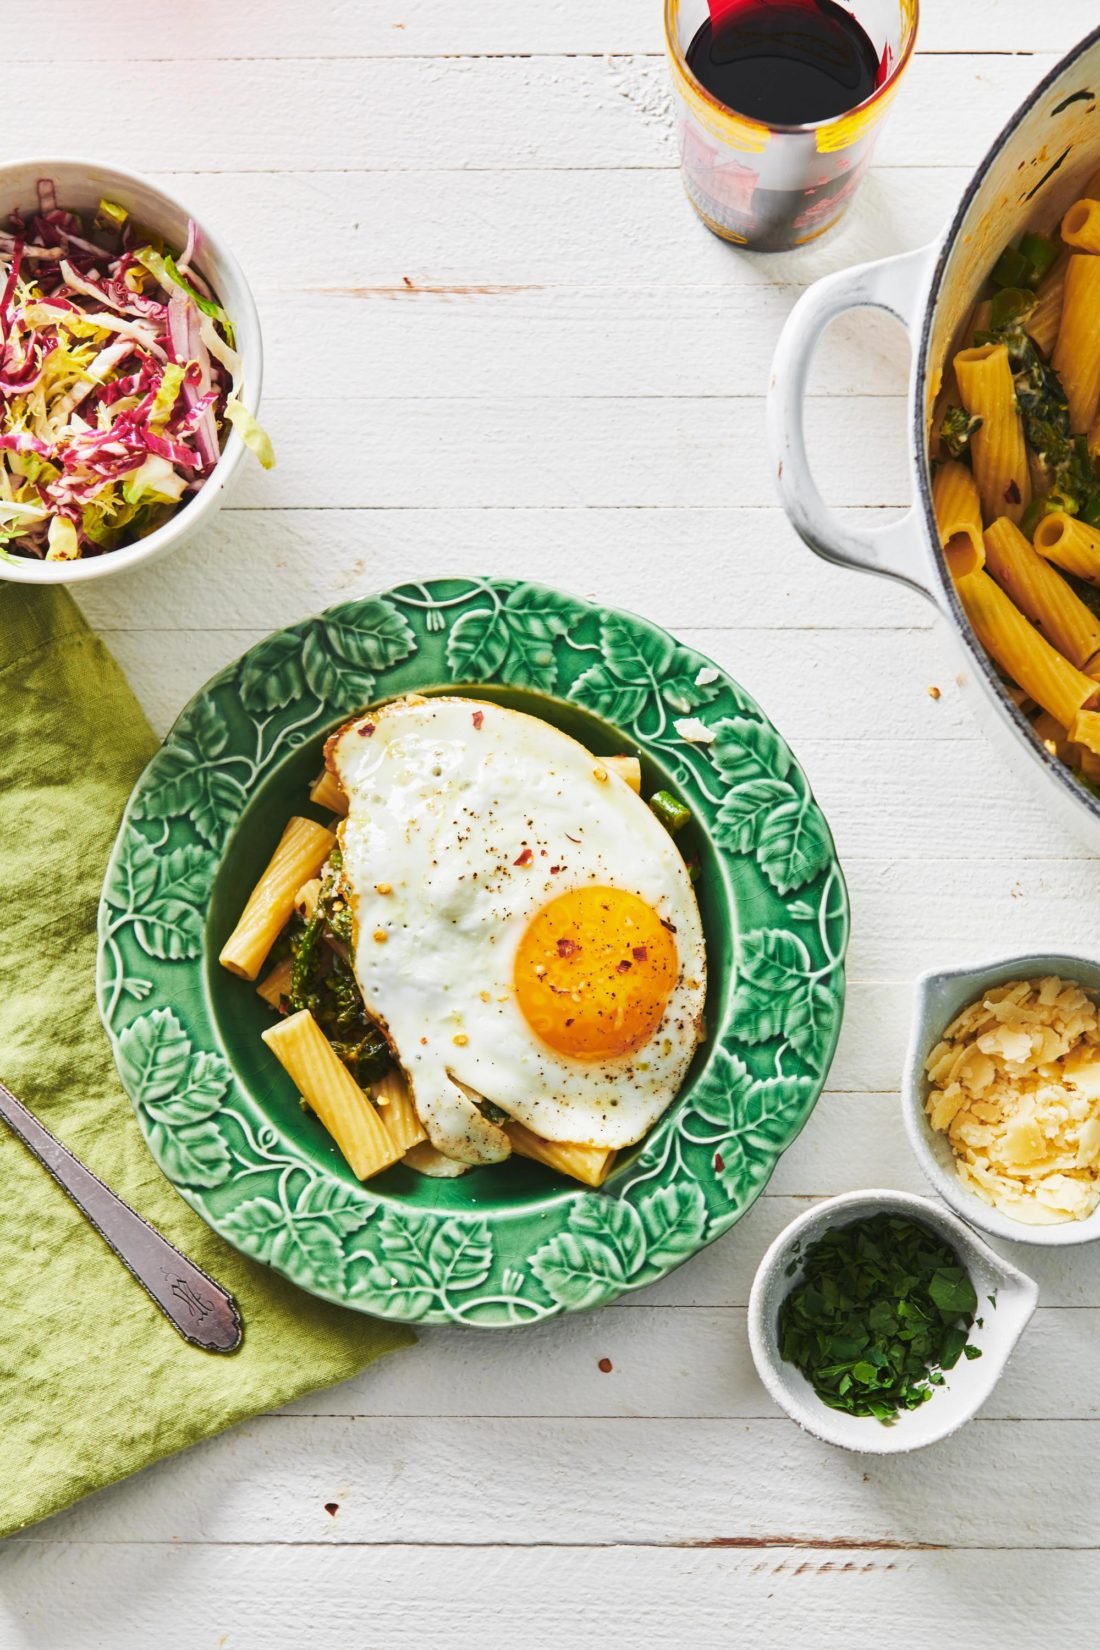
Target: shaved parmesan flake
point(694, 731)
point(1015, 1087)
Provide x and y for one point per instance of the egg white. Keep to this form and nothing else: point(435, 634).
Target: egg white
point(444, 796)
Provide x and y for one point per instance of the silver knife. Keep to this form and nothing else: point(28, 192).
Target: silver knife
point(202, 1311)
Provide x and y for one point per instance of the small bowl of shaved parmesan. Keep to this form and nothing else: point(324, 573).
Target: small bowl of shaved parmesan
point(1001, 1095)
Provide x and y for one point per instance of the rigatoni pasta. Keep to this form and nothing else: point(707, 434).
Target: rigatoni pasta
point(1043, 595)
point(959, 512)
point(329, 1089)
point(395, 1107)
point(590, 1164)
point(1018, 648)
point(1077, 353)
point(999, 452)
point(1045, 317)
point(275, 986)
point(303, 849)
point(327, 792)
point(1022, 393)
point(1070, 544)
point(629, 770)
point(1081, 226)
point(1085, 733)
point(305, 900)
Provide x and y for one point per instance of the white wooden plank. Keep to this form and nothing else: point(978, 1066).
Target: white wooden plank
point(850, 1140)
point(1011, 908)
point(601, 1481)
point(553, 453)
point(624, 341)
point(471, 1598)
point(270, 568)
point(484, 234)
point(458, 113)
point(95, 30)
point(666, 1364)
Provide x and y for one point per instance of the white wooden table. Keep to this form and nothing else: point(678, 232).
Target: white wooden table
point(498, 340)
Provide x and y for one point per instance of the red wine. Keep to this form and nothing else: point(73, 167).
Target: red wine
point(786, 62)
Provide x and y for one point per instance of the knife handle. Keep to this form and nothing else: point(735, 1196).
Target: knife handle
point(202, 1311)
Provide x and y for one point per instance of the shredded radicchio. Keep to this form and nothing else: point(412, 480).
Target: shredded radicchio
point(118, 381)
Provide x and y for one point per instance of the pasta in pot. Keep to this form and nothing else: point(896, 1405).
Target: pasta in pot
point(1015, 453)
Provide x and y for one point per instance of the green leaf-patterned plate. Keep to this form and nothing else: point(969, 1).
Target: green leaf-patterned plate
point(513, 1243)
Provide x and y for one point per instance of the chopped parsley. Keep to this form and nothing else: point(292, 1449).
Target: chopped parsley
point(323, 981)
point(957, 428)
point(883, 1307)
point(1070, 475)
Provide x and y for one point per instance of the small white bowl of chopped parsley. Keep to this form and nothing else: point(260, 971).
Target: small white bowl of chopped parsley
point(130, 369)
point(881, 1323)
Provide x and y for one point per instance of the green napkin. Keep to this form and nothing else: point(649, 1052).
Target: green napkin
point(94, 1383)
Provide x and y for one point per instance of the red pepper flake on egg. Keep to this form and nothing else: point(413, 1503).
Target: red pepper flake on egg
point(477, 719)
point(524, 858)
point(365, 729)
point(567, 947)
point(640, 953)
point(624, 967)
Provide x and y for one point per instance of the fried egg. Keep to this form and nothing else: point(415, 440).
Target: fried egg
point(524, 929)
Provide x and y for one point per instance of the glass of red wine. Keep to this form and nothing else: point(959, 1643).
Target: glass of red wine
point(779, 105)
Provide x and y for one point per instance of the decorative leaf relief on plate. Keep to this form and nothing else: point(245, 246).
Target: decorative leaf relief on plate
point(751, 1120)
point(767, 810)
point(774, 973)
point(745, 749)
point(162, 895)
point(421, 1262)
point(512, 640)
point(609, 1245)
point(371, 634)
point(723, 1090)
point(304, 1233)
point(674, 1219)
point(202, 727)
point(810, 1018)
point(178, 1093)
point(634, 667)
point(338, 657)
point(183, 784)
point(344, 650)
point(193, 1156)
point(271, 674)
point(133, 875)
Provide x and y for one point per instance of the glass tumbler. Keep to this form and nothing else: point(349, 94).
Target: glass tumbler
point(769, 188)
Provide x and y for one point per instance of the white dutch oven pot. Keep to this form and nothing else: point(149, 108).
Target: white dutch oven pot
point(1033, 172)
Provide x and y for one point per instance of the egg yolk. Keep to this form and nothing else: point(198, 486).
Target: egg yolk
point(594, 973)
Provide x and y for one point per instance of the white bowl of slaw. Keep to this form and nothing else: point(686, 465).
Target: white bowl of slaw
point(81, 184)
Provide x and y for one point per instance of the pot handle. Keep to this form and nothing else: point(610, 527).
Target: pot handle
point(898, 285)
